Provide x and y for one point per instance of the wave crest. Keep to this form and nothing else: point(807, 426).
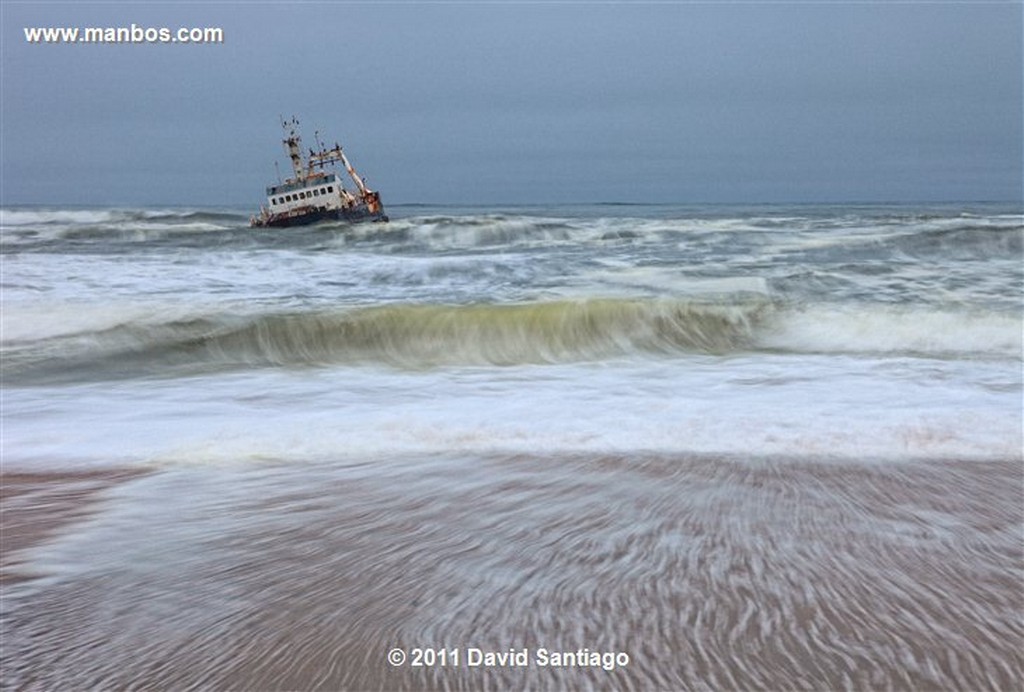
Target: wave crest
point(559, 331)
point(404, 335)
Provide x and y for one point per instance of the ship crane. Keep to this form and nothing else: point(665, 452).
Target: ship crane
point(352, 172)
point(325, 157)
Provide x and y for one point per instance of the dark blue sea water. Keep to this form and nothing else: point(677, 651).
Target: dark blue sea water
point(749, 446)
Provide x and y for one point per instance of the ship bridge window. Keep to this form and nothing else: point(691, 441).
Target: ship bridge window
point(316, 193)
point(330, 188)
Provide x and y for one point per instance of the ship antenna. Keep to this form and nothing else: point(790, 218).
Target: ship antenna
point(277, 170)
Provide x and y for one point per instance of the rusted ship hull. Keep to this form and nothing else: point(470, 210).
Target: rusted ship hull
point(357, 215)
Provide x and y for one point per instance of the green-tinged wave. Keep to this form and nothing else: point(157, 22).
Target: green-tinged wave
point(558, 331)
point(405, 335)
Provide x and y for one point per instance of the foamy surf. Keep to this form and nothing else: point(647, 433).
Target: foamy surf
point(890, 330)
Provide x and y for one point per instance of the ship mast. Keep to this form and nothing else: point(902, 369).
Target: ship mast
point(292, 145)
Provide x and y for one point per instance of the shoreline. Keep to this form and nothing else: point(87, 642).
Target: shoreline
point(36, 506)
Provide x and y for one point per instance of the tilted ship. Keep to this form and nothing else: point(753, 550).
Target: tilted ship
point(314, 193)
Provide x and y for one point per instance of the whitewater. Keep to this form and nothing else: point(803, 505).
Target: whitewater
point(896, 331)
point(538, 420)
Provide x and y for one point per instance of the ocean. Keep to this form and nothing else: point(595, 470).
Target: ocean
point(673, 447)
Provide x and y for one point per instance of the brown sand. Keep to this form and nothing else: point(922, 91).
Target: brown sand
point(710, 573)
point(36, 506)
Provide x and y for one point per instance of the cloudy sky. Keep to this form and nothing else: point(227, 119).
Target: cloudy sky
point(504, 103)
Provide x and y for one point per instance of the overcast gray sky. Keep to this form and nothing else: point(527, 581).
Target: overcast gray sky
point(523, 102)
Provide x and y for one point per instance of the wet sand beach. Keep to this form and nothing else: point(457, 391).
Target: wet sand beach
point(707, 572)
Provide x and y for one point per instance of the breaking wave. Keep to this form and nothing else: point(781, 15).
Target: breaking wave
point(891, 330)
point(407, 335)
point(36, 217)
point(561, 331)
point(31, 225)
point(835, 239)
point(967, 241)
